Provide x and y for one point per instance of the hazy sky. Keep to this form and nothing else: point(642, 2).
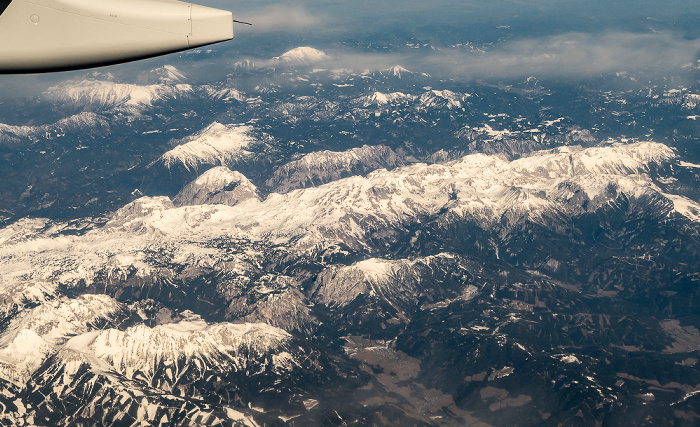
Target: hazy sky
point(459, 39)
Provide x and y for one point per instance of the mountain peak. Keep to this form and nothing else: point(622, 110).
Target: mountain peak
point(216, 144)
point(397, 70)
point(302, 55)
point(166, 74)
point(218, 185)
point(379, 98)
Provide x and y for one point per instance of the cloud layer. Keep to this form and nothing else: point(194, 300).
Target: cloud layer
point(281, 17)
point(570, 56)
point(573, 55)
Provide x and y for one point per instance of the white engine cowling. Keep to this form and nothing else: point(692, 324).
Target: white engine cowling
point(49, 35)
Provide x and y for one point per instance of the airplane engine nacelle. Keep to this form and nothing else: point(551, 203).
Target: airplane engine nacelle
point(49, 35)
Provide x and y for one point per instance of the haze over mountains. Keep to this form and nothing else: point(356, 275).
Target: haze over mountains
point(317, 236)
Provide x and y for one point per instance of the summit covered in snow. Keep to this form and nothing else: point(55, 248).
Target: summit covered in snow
point(217, 144)
point(301, 56)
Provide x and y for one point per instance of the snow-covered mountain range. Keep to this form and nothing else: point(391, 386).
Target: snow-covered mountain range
point(322, 167)
point(300, 242)
point(549, 188)
point(106, 95)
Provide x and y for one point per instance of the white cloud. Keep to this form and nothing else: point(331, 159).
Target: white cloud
point(572, 55)
point(569, 56)
point(281, 18)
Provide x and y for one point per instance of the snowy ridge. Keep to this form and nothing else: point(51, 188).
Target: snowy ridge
point(140, 208)
point(681, 97)
point(522, 139)
point(166, 74)
point(341, 285)
point(226, 94)
point(617, 159)
point(151, 376)
point(691, 101)
point(375, 269)
point(142, 349)
point(379, 98)
point(218, 185)
point(278, 302)
point(545, 188)
point(217, 144)
point(324, 166)
point(442, 99)
point(109, 95)
point(486, 129)
point(391, 280)
point(396, 71)
point(307, 107)
point(81, 122)
point(33, 336)
point(107, 399)
point(302, 56)
point(29, 275)
point(685, 206)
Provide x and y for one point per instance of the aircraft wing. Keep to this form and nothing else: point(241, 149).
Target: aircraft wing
point(55, 35)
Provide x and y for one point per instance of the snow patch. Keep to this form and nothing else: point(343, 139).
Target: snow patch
point(376, 268)
point(570, 358)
